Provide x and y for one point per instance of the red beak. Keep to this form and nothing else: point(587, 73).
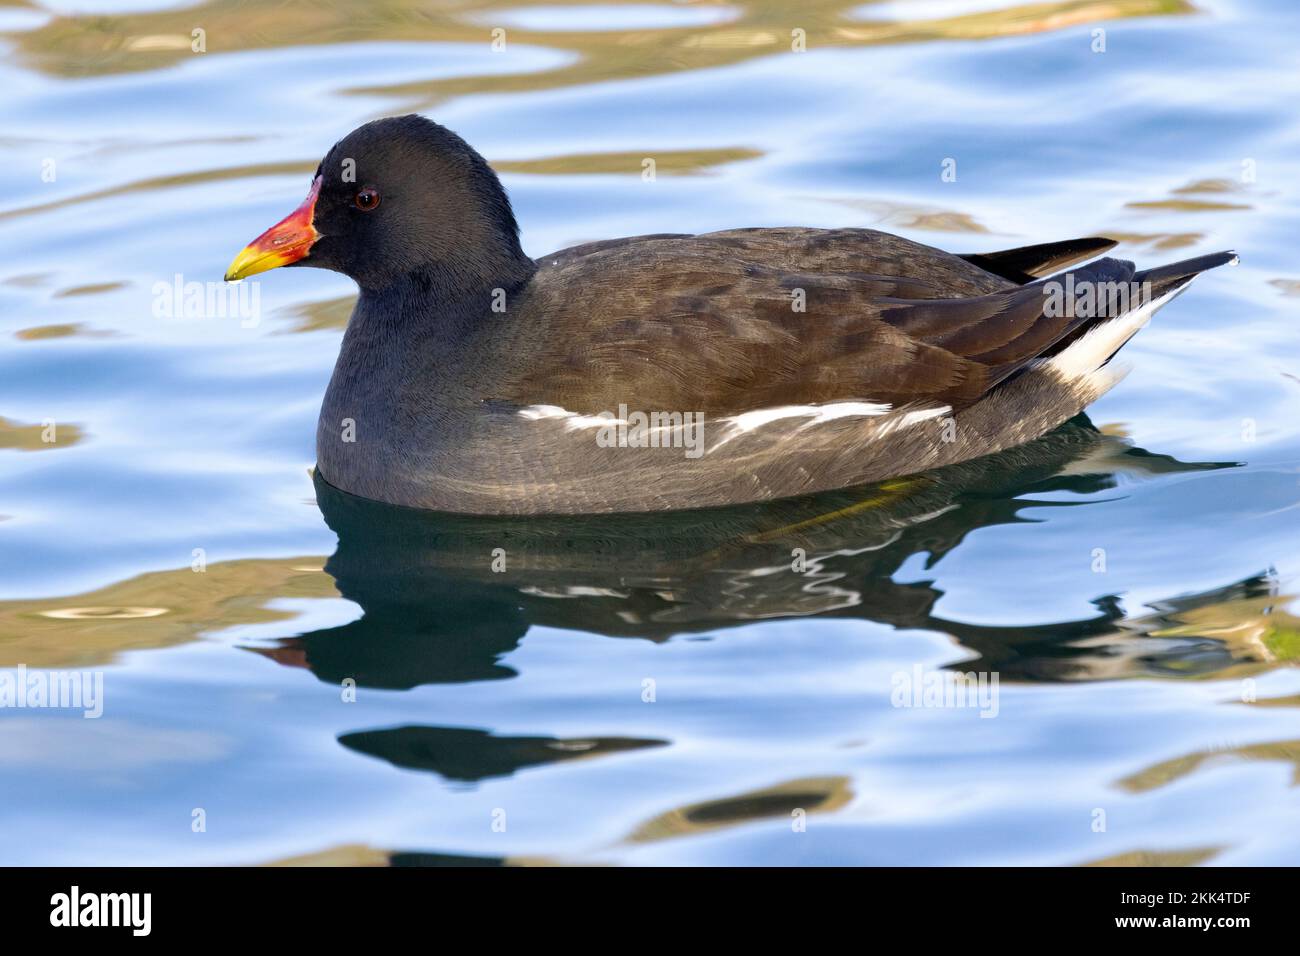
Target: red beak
point(287, 241)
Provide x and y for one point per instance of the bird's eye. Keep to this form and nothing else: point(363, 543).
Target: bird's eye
point(367, 199)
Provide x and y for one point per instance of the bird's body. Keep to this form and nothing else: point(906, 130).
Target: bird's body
point(675, 371)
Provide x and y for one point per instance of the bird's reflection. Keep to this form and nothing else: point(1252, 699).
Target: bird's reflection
point(445, 597)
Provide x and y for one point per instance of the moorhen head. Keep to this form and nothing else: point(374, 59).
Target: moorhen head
point(397, 197)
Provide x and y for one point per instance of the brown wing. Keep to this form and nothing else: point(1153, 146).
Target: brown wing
point(731, 322)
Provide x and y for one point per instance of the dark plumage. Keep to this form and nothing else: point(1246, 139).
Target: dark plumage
point(474, 379)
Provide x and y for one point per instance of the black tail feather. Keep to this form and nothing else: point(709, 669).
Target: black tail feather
point(1177, 274)
point(1028, 263)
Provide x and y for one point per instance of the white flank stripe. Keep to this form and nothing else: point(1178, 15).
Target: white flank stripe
point(748, 421)
point(572, 420)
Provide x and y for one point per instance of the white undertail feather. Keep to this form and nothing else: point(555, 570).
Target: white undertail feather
point(1086, 356)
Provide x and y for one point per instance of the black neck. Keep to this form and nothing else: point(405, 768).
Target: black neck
point(437, 307)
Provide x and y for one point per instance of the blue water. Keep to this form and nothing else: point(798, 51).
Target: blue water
point(663, 690)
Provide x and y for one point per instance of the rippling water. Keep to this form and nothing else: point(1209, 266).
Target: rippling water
point(647, 690)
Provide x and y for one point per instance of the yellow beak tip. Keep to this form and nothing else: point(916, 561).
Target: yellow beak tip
point(249, 262)
point(237, 269)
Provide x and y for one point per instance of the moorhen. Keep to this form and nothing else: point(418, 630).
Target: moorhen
point(674, 371)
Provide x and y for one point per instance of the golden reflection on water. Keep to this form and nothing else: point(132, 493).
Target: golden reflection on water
point(667, 162)
point(1160, 241)
point(1187, 205)
point(103, 613)
point(1179, 202)
point(325, 314)
point(62, 330)
point(349, 854)
point(784, 800)
point(1188, 857)
point(1169, 771)
point(153, 39)
point(896, 215)
point(1256, 628)
point(1210, 186)
point(33, 437)
point(69, 631)
point(791, 800)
